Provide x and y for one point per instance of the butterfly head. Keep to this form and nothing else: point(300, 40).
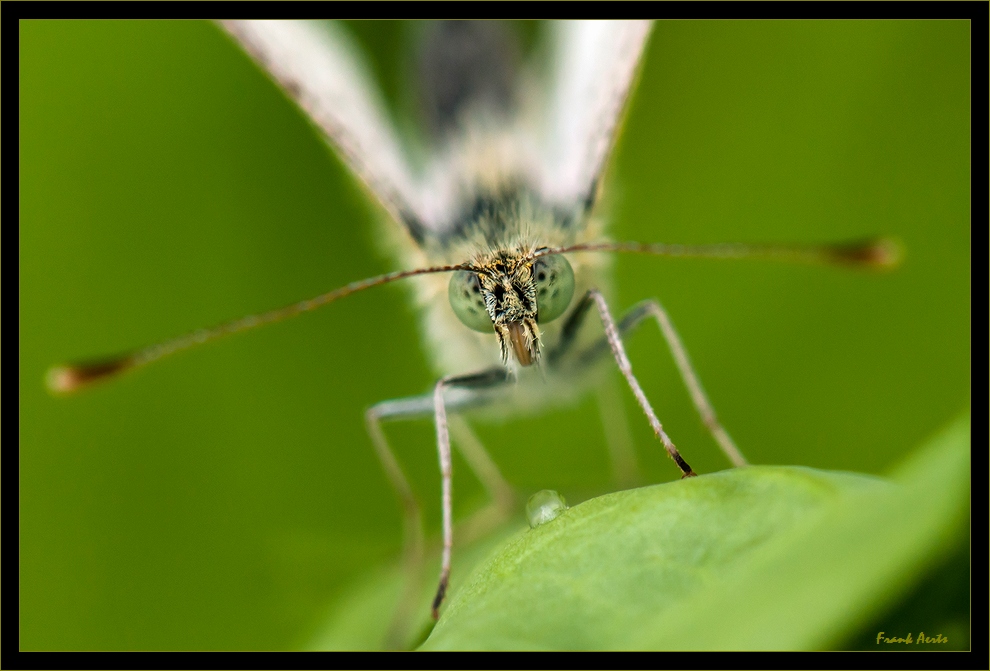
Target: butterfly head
point(511, 293)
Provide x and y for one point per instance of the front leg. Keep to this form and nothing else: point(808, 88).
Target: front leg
point(476, 381)
point(462, 392)
point(632, 319)
point(467, 391)
point(619, 352)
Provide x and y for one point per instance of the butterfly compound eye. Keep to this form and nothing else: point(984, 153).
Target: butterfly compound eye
point(554, 281)
point(467, 301)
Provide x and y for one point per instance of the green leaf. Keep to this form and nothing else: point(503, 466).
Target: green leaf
point(755, 558)
point(377, 613)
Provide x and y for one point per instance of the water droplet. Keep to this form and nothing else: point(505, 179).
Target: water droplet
point(544, 506)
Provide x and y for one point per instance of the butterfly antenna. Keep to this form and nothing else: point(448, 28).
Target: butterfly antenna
point(71, 377)
point(882, 253)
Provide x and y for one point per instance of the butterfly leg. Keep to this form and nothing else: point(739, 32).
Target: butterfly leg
point(455, 393)
point(652, 308)
point(619, 352)
point(412, 516)
point(618, 438)
point(397, 635)
point(633, 318)
point(620, 444)
point(500, 492)
point(459, 383)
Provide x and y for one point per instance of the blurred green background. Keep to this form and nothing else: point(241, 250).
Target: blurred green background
point(224, 498)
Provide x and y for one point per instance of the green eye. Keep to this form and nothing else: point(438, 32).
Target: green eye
point(464, 292)
point(554, 280)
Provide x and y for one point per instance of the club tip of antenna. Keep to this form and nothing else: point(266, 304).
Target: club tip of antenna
point(884, 253)
point(66, 379)
point(61, 379)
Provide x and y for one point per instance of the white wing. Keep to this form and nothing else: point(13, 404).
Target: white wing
point(594, 64)
point(318, 68)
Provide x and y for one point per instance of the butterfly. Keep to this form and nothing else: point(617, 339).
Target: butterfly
point(499, 226)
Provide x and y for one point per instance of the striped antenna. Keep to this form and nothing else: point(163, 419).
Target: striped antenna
point(72, 377)
point(872, 253)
